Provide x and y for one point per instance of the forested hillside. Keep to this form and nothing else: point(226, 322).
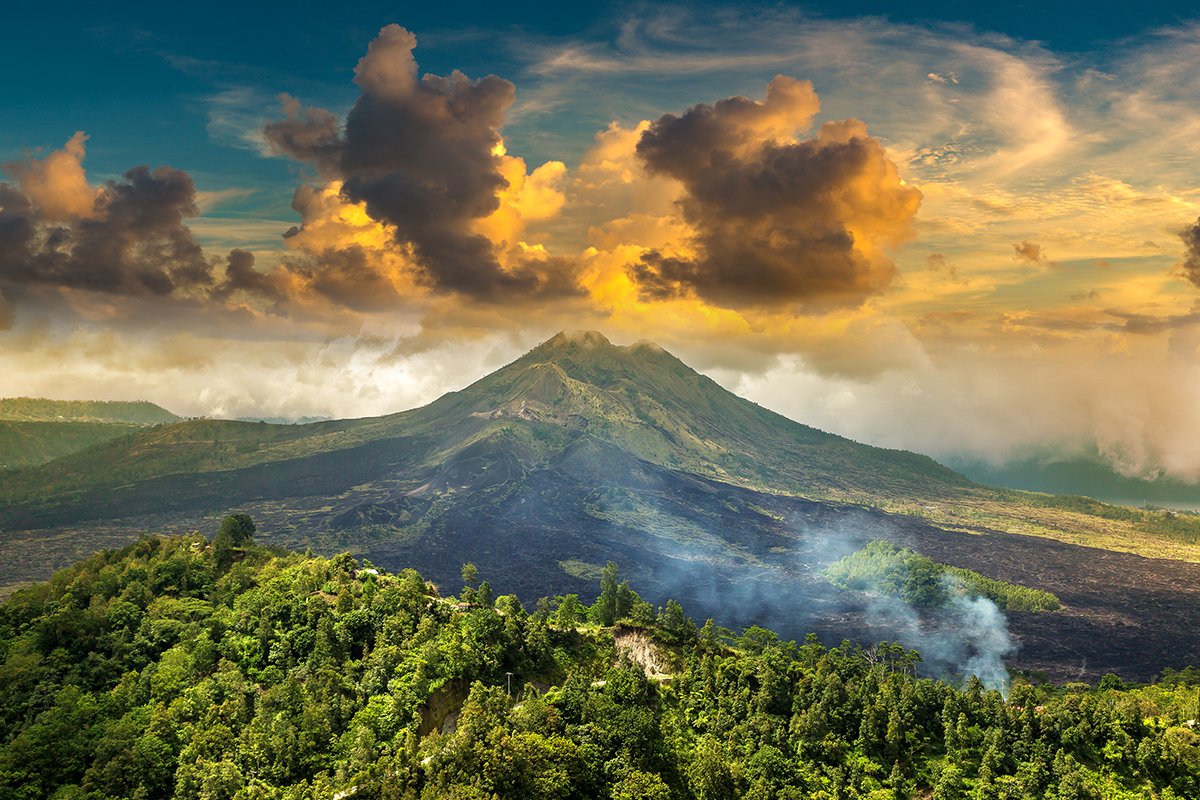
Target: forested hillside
point(190, 668)
point(26, 444)
point(882, 568)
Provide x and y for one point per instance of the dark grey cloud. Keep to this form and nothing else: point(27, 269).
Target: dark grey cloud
point(1027, 252)
point(308, 134)
point(1191, 254)
point(240, 275)
point(777, 221)
point(135, 242)
point(347, 277)
point(419, 152)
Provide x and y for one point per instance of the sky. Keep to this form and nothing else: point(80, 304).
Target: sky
point(973, 233)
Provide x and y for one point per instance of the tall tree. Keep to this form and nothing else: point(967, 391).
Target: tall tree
point(604, 612)
point(236, 531)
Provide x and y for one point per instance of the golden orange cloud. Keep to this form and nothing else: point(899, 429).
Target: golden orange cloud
point(57, 184)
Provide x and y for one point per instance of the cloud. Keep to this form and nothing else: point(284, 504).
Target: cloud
point(937, 262)
point(992, 404)
point(240, 275)
point(192, 372)
point(236, 117)
point(307, 134)
point(349, 277)
point(1023, 106)
point(776, 221)
point(1149, 324)
point(1027, 252)
point(57, 184)
point(942, 79)
point(340, 255)
point(1191, 253)
point(425, 157)
point(958, 351)
point(209, 200)
point(130, 239)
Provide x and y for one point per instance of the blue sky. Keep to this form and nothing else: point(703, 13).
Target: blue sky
point(137, 76)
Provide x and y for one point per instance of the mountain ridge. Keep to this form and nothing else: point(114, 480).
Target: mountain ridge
point(35, 430)
point(639, 396)
point(40, 409)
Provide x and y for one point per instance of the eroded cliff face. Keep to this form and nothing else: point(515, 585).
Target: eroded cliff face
point(641, 650)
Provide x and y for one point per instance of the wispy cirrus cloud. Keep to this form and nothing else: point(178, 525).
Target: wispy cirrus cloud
point(237, 115)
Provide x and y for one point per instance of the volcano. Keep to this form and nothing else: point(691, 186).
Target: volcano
point(580, 452)
point(574, 405)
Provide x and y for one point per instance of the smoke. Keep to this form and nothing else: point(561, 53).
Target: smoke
point(965, 635)
point(718, 565)
point(984, 638)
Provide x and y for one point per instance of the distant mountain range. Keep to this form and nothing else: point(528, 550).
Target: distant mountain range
point(1082, 475)
point(582, 451)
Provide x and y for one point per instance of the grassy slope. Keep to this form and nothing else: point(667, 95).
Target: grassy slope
point(24, 444)
point(1074, 520)
point(34, 431)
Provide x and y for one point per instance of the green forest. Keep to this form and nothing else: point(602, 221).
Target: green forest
point(216, 668)
point(883, 568)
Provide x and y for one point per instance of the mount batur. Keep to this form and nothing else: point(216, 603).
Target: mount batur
point(581, 452)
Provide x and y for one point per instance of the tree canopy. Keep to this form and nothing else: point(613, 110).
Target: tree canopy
point(159, 671)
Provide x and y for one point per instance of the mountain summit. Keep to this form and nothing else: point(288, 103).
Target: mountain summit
point(650, 404)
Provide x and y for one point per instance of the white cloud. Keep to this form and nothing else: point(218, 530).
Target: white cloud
point(236, 116)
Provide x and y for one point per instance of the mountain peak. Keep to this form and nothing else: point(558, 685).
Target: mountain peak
point(589, 346)
point(578, 338)
point(589, 356)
